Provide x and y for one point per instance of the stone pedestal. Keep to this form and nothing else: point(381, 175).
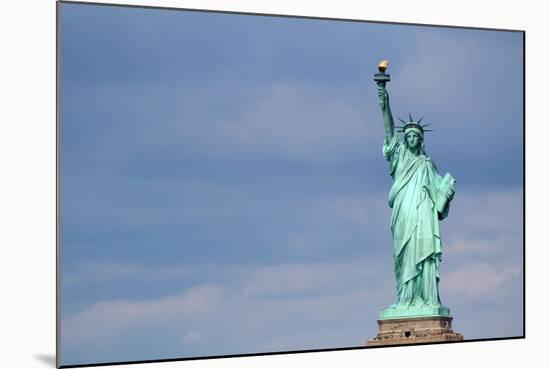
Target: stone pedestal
point(403, 331)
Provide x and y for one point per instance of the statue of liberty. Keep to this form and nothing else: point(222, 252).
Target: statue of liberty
point(419, 198)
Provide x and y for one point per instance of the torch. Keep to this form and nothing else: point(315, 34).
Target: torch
point(381, 78)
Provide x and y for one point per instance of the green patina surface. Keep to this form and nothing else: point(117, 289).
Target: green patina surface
point(413, 311)
point(420, 199)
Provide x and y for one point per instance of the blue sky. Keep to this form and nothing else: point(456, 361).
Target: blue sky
point(223, 189)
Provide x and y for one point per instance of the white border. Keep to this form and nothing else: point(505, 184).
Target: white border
point(27, 189)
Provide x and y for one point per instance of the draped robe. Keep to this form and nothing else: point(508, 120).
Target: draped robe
point(415, 224)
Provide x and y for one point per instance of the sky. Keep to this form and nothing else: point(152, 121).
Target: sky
point(223, 189)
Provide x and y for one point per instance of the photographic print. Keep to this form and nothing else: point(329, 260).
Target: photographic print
point(235, 184)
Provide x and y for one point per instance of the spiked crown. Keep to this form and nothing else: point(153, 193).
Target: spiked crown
point(412, 124)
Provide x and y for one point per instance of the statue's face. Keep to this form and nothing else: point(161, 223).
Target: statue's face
point(413, 139)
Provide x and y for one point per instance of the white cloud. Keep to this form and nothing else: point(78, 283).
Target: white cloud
point(336, 220)
point(474, 247)
point(481, 282)
point(103, 321)
point(297, 121)
point(482, 225)
point(191, 337)
point(312, 304)
point(282, 120)
point(497, 212)
point(266, 304)
point(299, 280)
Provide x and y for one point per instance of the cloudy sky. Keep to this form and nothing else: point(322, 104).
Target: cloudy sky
point(223, 189)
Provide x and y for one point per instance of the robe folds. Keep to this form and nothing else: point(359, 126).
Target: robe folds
point(419, 200)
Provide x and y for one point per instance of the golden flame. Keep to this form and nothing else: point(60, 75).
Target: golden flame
point(383, 65)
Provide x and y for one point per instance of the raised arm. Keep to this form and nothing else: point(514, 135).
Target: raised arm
point(384, 101)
